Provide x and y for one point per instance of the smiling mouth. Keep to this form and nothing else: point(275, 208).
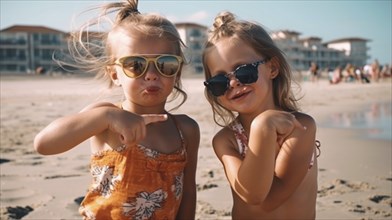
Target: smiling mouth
point(239, 95)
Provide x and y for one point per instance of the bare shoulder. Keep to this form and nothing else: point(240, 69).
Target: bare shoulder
point(190, 129)
point(306, 120)
point(187, 123)
point(224, 141)
point(223, 135)
point(97, 105)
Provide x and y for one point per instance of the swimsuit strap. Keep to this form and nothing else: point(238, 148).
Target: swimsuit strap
point(240, 136)
point(317, 145)
point(178, 129)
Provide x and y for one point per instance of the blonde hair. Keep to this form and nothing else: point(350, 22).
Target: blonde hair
point(252, 34)
point(91, 50)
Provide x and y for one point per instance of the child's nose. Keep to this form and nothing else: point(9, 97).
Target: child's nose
point(152, 72)
point(233, 81)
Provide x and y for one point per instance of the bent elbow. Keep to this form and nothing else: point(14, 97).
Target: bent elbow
point(39, 145)
point(258, 200)
point(251, 195)
point(253, 199)
point(269, 207)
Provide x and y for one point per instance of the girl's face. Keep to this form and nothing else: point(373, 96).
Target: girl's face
point(225, 57)
point(147, 93)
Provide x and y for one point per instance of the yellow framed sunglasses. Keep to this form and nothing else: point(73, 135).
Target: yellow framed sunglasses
point(135, 66)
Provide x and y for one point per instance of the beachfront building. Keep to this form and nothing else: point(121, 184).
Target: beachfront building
point(301, 52)
point(29, 49)
point(355, 49)
point(194, 37)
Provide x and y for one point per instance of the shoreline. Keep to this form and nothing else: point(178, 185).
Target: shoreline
point(372, 121)
point(355, 177)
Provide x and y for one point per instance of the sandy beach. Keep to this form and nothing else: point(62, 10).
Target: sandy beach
point(355, 176)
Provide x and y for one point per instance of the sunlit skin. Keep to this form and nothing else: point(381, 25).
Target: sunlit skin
point(141, 118)
point(147, 93)
point(273, 180)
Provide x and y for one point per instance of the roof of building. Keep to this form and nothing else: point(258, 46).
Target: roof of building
point(310, 39)
point(189, 24)
point(288, 32)
point(31, 29)
point(349, 39)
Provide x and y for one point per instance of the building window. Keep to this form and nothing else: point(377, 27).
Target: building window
point(196, 46)
point(22, 55)
point(11, 53)
point(11, 67)
point(199, 69)
point(36, 37)
point(47, 54)
point(197, 59)
point(55, 39)
point(195, 33)
point(46, 39)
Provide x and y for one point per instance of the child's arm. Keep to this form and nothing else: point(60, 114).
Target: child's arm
point(292, 163)
point(192, 136)
point(252, 178)
point(67, 132)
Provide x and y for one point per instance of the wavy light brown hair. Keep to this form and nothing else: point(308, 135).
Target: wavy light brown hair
point(91, 50)
point(255, 36)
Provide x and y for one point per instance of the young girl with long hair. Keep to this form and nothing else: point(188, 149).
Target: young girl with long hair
point(266, 146)
point(144, 159)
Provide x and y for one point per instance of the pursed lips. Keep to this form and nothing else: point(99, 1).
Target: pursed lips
point(151, 89)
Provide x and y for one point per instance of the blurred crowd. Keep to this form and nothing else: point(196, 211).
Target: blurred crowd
point(368, 73)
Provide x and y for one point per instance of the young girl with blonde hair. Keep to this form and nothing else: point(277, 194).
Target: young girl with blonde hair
point(266, 146)
point(144, 159)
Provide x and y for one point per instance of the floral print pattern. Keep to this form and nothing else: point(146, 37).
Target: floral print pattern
point(88, 214)
point(242, 139)
point(178, 185)
point(143, 206)
point(149, 152)
point(135, 182)
point(104, 180)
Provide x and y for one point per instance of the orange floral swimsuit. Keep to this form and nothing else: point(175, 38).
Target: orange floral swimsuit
point(135, 182)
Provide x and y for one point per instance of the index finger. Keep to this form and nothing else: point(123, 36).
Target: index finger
point(153, 118)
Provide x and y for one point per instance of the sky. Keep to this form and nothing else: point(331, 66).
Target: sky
point(328, 20)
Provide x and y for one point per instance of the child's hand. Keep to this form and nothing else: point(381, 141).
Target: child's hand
point(283, 123)
point(132, 127)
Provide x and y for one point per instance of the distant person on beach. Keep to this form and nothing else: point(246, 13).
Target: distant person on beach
point(314, 71)
point(375, 70)
point(349, 73)
point(336, 76)
point(267, 147)
point(386, 71)
point(144, 159)
point(361, 76)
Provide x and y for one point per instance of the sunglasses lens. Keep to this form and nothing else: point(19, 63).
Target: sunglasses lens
point(134, 66)
point(247, 74)
point(217, 85)
point(168, 65)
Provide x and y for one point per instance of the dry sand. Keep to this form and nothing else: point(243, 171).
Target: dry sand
point(355, 178)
